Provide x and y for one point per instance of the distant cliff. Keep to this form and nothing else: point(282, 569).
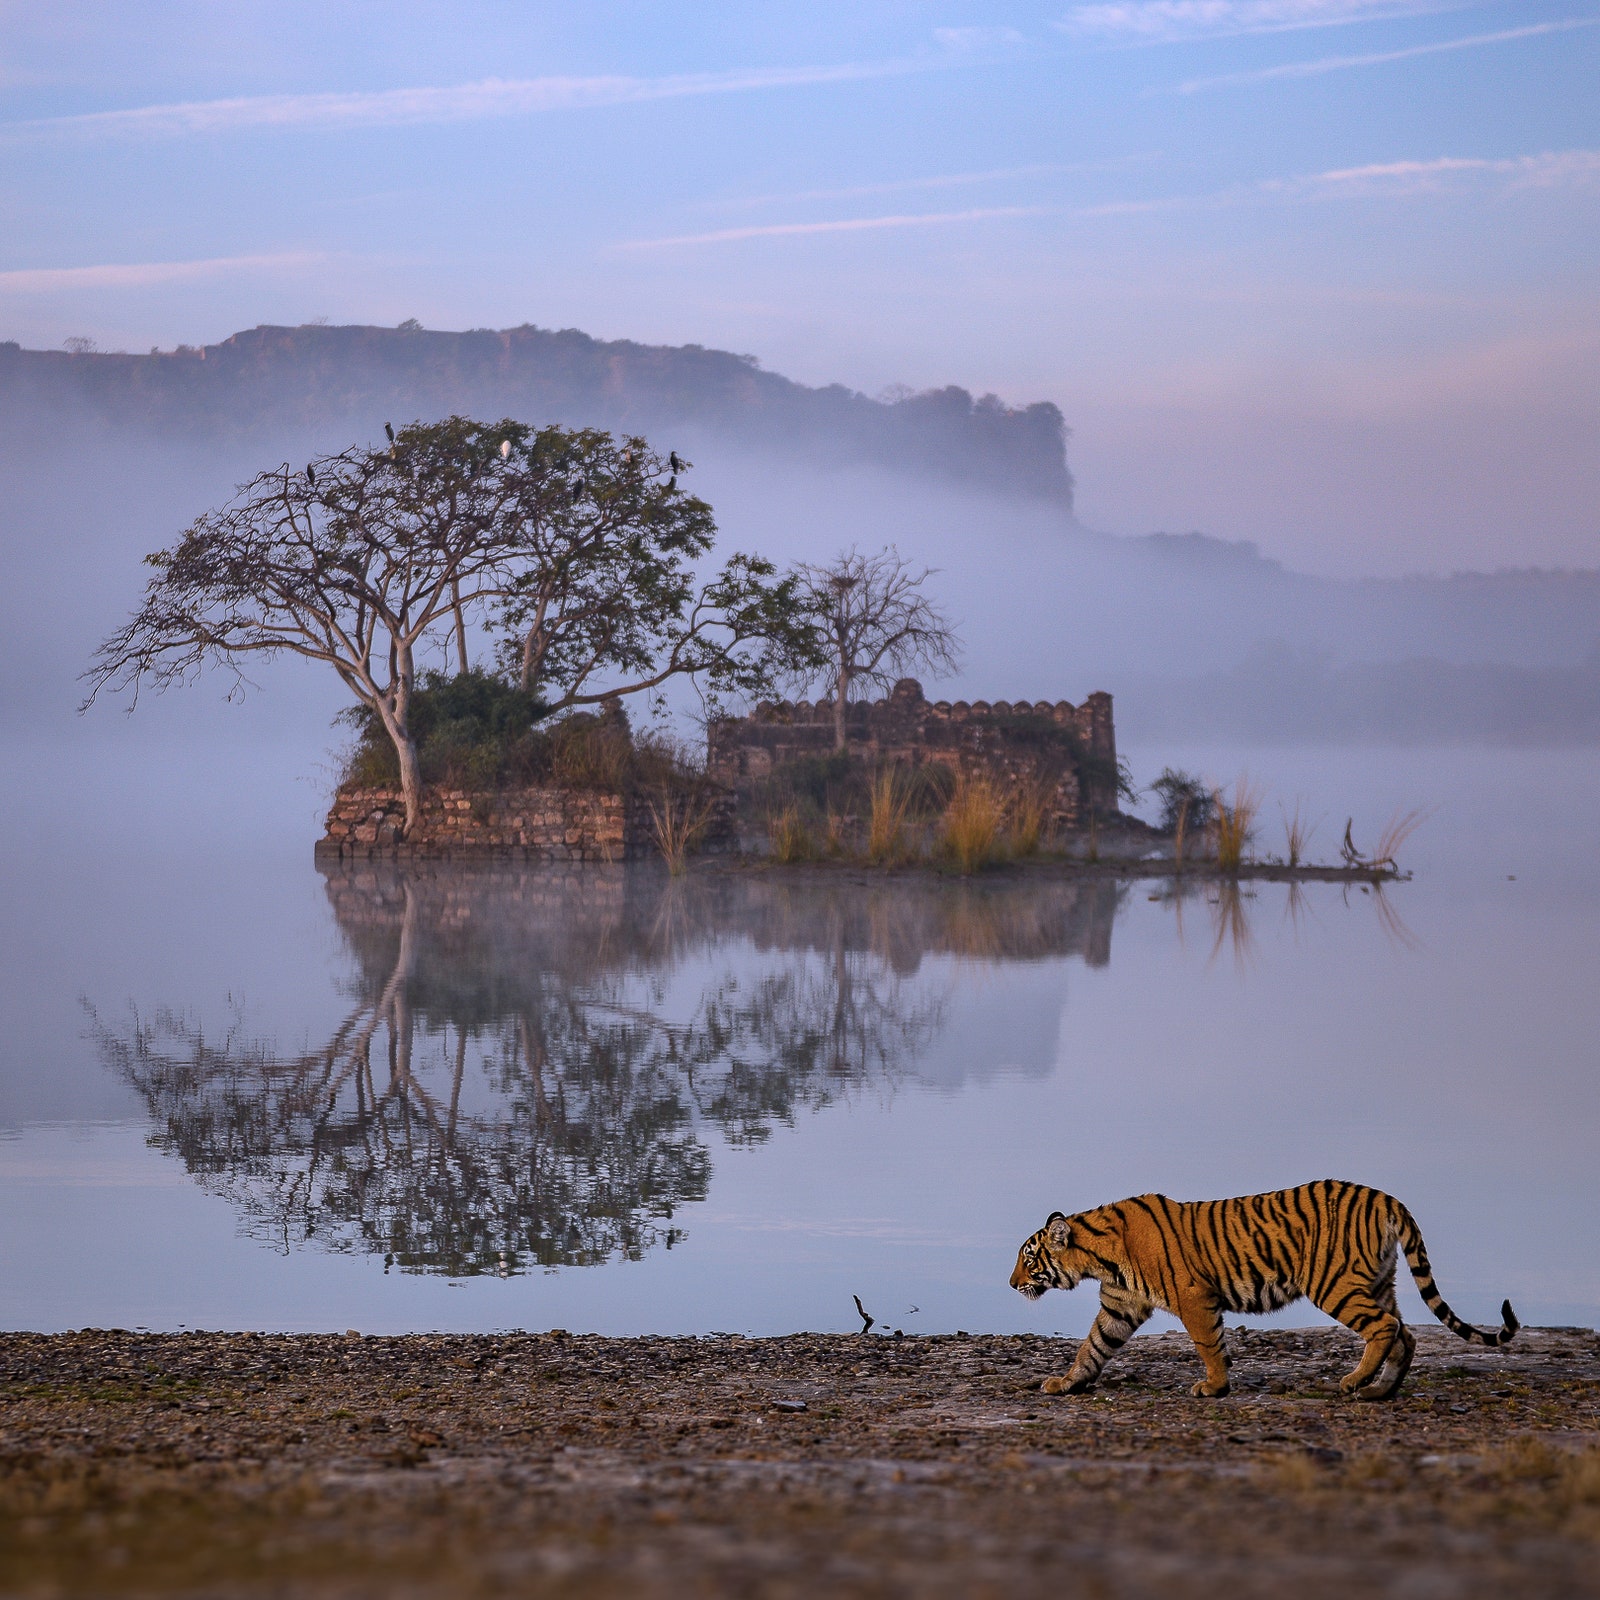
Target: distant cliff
point(272, 380)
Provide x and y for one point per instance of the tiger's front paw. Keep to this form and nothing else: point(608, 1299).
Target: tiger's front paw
point(1066, 1385)
point(1206, 1390)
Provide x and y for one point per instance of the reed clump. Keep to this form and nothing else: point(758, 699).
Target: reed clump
point(1027, 814)
point(890, 808)
point(679, 820)
point(974, 822)
point(789, 836)
point(835, 833)
point(1399, 828)
point(1297, 831)
point(1235, 823)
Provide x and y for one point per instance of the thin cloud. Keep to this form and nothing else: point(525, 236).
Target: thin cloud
point(489, 99)
point(978, 39)
point(792, 230)
point(1156, 21)
point(1314, 69)
point(1381, 180)
point(1548, 170)
point(147, 274)
point(943, 180)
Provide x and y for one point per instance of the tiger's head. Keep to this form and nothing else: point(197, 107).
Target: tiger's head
point(1046, 1260)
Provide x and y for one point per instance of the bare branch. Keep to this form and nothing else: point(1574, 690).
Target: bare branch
point(875, 624)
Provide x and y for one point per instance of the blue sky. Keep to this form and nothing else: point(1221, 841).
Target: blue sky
point(1320, 273)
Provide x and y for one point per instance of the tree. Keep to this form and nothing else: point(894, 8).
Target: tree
point(874, 624)
point(584, 545)
point(608, 583)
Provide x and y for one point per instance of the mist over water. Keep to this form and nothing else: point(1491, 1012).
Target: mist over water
point(810, 1087)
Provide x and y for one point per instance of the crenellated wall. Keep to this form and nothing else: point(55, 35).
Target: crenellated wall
point(1072, 747)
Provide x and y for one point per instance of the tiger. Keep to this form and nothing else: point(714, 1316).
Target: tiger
point(1333, 1242)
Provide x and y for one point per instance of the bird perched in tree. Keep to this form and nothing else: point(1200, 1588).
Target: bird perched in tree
point(311, 476)
point(672, 483)
point(505, 449)
point(676, 462)
point(388, 428)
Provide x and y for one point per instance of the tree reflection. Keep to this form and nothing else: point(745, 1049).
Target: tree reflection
point(533, 1062)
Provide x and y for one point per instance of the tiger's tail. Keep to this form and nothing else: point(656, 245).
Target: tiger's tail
point(1417, 1260)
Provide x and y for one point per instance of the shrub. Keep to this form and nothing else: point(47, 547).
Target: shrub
point(1187, 802)
point(474, 731)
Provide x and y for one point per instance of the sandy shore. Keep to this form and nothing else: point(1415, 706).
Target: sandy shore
point(816, 1464)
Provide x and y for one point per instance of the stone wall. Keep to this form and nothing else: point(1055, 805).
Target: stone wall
point(542, 823)
point(1073, 748)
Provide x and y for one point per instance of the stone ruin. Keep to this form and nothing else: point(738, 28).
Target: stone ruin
point(1071, 749)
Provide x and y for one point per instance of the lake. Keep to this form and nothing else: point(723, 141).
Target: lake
point(237, 1090)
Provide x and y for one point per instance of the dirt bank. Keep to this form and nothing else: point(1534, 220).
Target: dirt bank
point(548, 1464)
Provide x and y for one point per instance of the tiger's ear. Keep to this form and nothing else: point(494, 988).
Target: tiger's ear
point(1056, 1229)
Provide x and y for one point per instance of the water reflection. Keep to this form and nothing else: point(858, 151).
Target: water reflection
point(1229, 906)
point(532, 1062)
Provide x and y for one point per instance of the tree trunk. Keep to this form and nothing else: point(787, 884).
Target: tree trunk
point(396, 714)
point(525, 683)
point(461, 627)
point(841, 694)
point(410, 779)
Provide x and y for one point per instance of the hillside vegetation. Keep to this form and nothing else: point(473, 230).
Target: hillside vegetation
point(269, 380)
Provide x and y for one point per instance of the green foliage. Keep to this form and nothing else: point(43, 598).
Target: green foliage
point(475, 731)
point(1186, 801)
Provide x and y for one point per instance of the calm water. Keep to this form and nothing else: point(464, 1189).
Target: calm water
point(236, 1091)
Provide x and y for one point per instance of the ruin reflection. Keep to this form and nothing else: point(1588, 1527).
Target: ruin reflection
point(534, 1060)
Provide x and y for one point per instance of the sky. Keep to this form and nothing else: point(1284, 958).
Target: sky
point(1316, 273)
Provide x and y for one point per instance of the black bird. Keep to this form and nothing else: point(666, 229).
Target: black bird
point(672, 483)
point(676, 462)
point(388, 429)
point(311, 476)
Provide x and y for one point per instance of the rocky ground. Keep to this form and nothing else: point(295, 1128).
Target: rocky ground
point(212, 1464)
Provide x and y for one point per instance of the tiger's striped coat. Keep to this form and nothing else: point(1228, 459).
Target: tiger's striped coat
point(1332, 1242)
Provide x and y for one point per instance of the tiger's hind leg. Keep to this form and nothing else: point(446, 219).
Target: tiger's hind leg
point(1360, 1312)
point(1386, 1385)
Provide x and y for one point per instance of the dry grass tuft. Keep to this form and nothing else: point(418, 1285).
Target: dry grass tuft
point(790, 837)
point(973, 822)
point(835, 829)
point(886, 826)
point(1297, 832)
point(1399, 828)
point(679, 821)
point(1028, 810)
point(1236, 823)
